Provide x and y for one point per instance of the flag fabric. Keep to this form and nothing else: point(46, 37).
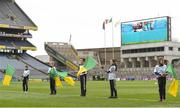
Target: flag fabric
point(58, 82)
point(171, 70)
point(89, 64)
point(104, 25)
point(69, 80)
point(7, 80)
point(57, 75)
point(173, 88)
point(63, 74)
point(66, 78)
point(81, 70)
point(8, 75)
point(117, 23)
point(106, 21)
point(54, 74)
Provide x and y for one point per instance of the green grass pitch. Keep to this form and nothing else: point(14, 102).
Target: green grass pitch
point(130, 93)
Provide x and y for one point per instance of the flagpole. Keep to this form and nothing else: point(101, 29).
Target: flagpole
point(112, 38)
point(70, 39)
point(105, 46)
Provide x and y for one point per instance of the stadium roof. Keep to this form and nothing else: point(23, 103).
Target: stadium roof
point(12, 16)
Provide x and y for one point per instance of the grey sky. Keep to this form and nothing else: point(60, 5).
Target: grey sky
point(57, 19)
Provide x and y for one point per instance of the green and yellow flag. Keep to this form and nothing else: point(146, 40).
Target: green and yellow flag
point(81, 70)
point(170, 70)
point(69, 81)
point(62, 74)
point(173, 88)
point(58, 82)
point(54, 74)
point(89, 64)
point(8, 75)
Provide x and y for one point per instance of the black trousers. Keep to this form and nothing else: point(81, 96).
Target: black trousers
point(83, 79)
point(25, 83)
point(52, 86)
point(113, 88)
point(162, 87)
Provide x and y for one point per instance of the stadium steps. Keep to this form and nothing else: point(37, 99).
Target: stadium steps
point(34, 63)
point(59, 57)
point(66, 50)
point(1, 74)
point(11, 59)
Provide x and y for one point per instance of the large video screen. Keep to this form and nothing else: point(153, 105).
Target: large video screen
point(145, 31)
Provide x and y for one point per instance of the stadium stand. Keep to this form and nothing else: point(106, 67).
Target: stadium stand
point(62, 56)
point(12, 16)
point(14, 34)
point(1, 74)
point(33, 62)
point(13, 60)
point(16, 43)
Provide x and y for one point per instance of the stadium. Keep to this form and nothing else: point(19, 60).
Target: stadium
point(143, 43)
point(136, 60)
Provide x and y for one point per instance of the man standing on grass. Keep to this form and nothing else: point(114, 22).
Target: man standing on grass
point(112, 78)
point(25, 79)
point(52, 72)
point(83, 79)
point(160, 72)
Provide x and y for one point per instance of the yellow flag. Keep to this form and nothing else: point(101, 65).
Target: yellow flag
point(69, 81)
point(7, 80)
point(173, 88)
point(81, 70)
point(58, 82)
point(8, 76)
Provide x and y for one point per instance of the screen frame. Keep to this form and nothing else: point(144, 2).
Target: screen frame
point(169, 38)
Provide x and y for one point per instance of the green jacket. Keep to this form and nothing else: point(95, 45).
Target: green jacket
point(53, 72)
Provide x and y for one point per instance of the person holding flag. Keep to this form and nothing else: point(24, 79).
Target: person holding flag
point(85, 65)
point(25, 79)
point(112, 78)
point(52, 73)
point(83, 78)
point(160, 72)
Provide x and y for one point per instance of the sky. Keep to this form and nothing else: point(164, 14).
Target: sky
point(83, 19)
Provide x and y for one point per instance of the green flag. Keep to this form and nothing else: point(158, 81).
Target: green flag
point(171, 70)
point(90, 63)
point(8, 75)
point(10, 70)
point(173, 88)
point(63, 74)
